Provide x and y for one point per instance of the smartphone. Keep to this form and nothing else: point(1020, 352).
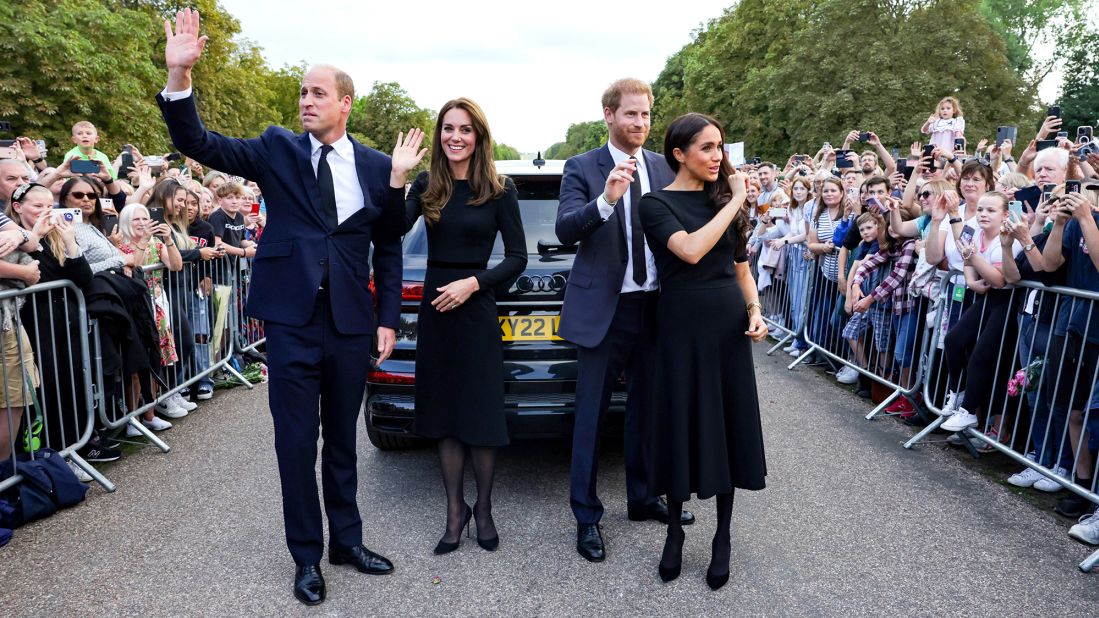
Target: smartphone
point(1072, 186)
point(1054, 110)
point(127, 161)
point(156, 214)
point(1015, 210)
point(959, 143)
point(777, 213)
point(907, 171)
point(7, 152)
point(799, 158)
point(1084, 134)
point(841, 159)
point(826, 145)
point(255, 209)
point(41, 144)
point(895, 153)
point(864, 136)
point(82, 166)
point(875, 205)
point(1030, 196)
point(110, 224)
point(72, 215)
point(1042, 144)
point(172, 156)
point(1062, 135)
point(967, 235)
point(106, 204)
point(1006, 133)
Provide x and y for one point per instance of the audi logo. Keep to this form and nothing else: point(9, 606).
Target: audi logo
point(540, 283)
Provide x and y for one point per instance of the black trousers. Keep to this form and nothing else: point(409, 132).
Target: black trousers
point(629, 346)
point(306, 364)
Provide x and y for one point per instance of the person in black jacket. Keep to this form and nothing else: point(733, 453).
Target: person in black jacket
point(52, 320)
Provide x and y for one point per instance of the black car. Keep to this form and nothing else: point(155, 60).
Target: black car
point(539, 367)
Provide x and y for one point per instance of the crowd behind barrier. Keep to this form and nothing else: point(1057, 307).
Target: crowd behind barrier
point(960, 280)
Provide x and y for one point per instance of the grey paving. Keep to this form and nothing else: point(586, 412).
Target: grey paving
point(851, 524)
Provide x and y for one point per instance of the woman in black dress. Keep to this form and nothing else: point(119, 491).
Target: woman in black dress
point(459, 356)
point(706, 434)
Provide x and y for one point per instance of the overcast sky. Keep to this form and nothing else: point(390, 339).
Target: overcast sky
point(534, 66)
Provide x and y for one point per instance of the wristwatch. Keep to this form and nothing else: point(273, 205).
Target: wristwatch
point(1028, 247)
point(26, 237)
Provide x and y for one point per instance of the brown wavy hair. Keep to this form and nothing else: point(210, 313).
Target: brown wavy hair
point(484, 183)
point(681, 134)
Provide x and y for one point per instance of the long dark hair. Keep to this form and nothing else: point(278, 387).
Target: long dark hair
point(484, 183)
point(681, 134)
point(96, 220)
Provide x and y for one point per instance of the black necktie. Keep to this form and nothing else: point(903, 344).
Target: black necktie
point(637, 239)
point(328, 189)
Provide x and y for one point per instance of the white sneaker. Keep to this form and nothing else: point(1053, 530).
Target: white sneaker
point(183, 403)
point(961, 419)
point(1049, 485)
point(796, 352)
point(789, 348)
point(158, 424)
point(132, 432)
point(84, 477)
point(1027, 478)
point(953, 403)
point(1087, 531)
point(169, 408)
point(847, 375)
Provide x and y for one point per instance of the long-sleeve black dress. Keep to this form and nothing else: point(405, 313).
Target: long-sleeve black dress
point(459, 353)
point(706, 433)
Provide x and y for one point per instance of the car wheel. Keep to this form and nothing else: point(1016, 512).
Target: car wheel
point(390, 442)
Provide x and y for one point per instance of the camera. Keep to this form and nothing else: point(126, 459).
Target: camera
point(864, 136)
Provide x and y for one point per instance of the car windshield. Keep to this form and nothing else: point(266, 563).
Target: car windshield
point(537, 206)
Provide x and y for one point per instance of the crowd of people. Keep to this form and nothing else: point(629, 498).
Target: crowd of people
point(861, 256)
point(151, 243)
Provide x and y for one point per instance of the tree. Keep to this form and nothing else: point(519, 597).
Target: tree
point(1079, 98)
point(503, 152)
point(1027, 25)
point(386, 111)
point(581, 137)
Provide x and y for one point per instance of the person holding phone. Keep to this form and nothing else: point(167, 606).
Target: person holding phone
point(98, 241)
point(202, 234)
point(706, 437)
point(86, 136)
point(228, 222)
point(797, 265)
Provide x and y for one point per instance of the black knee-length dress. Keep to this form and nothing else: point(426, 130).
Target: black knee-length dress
point(706, 436)
point(459, 353)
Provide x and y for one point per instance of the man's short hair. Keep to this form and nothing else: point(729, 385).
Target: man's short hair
point(84, 124)
point(869, 152)
point(774, 168)
point(874, 181)
point(230, 188)
point(612, 97)
point(345, 86)
point(1059, 157)
point(26, 166)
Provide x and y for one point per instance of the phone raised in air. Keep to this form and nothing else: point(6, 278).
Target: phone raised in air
point(1015, 210)
point(1006, 133)
point(110, 224)
point(966, 236)
point(255, 209)
point(84, 166)
point(156, 213)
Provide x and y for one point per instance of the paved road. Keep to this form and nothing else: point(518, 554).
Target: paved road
point(851, 525)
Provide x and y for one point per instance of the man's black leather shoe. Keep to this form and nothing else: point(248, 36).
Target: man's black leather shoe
point(309, 584)
point(362, 559)
point(659, 512)
point(589, 542)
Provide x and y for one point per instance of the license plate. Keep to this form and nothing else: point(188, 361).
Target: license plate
point(529, 327)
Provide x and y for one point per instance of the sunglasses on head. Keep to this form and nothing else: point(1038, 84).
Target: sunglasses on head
point(80, 195)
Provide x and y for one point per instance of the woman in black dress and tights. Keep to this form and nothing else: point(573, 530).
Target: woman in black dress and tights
point(706, 434)
point(459, 355)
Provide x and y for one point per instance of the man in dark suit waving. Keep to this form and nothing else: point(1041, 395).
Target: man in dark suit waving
point(328, 200)
point(610, 301)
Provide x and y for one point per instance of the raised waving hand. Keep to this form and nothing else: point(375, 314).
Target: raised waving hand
point(183, 48)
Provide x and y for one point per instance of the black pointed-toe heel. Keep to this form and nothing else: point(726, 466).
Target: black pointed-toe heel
point(445, 547)
point(489, 544)
point(715, 582)
point(670, 570)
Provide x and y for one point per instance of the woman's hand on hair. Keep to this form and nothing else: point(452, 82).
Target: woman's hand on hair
point(407, 154)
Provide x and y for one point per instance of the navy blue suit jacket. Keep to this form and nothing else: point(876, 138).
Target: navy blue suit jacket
point(298, 244)
point(591, 295)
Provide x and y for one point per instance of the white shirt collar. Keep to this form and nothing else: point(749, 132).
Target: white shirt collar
point(618, 156)
point(342, 147)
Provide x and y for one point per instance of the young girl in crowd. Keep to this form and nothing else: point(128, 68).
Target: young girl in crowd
point(946, 124)
point(797, 265)
point(829, 211)
point(973, 344)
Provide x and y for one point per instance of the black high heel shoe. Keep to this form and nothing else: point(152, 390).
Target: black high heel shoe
point(445, 547)
point(668, 572)
point(715, 580)
point(489, 544)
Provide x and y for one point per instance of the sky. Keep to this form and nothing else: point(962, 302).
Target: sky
point(535, 67)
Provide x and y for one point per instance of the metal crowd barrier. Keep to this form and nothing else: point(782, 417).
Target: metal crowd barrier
point(251, 336)
point(780, 280)
point(203, 298)
point(46, 376)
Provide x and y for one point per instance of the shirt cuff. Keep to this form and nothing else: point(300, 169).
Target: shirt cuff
point(605, 207)
point(175, 96)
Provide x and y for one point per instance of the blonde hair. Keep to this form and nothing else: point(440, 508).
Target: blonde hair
point(52, 240)
point(126, 220)
point(84, 124)
point(953, 101)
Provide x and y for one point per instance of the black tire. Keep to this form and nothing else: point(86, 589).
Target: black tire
point(391, 442)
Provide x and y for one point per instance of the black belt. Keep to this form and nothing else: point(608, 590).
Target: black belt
point(638, 294)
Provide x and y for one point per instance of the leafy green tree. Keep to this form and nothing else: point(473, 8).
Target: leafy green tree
point(1080, 91)
point(581, 137)
point(385, 111)
point(1027, 25)
point(503, 152)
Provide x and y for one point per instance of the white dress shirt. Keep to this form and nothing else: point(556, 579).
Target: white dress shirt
point(345, 178)
point(606, 209)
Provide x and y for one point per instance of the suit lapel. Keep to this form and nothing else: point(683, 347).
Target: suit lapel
point(360, 170)
point(309, 178)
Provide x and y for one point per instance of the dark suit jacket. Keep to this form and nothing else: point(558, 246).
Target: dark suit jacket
point(591, 295)
point(297, 244)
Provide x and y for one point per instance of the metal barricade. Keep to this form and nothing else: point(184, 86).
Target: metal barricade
point(47, 376)
point(780, 276)
point(251, 337)
point(195, 315)
point(1030, 376)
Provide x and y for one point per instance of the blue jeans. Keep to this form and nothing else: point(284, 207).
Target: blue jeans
point(797, 273)
point(200, 325)
point(822, 305)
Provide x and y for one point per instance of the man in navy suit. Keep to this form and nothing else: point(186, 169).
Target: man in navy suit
point(328, 200)
point(610, 301)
